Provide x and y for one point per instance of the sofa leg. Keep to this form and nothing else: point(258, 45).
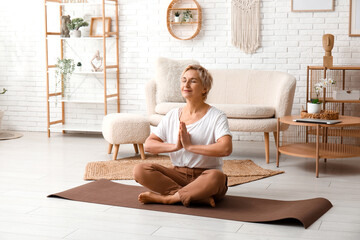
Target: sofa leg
point(266, 135)
point(116, 150)
point(142, 152)
point(110, 148)
point(275, 138)
point(136, 148)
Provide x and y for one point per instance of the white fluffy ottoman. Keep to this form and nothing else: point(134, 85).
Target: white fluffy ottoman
point(125, 128)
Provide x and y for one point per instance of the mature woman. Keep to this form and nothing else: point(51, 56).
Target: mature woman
point(196, 137)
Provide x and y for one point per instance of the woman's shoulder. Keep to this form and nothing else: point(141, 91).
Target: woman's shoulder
point(216, 112)
point(173, 113)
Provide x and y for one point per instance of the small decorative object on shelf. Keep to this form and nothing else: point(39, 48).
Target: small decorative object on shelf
point(3, 91)
point(64, 67)
point(96, 62)
point(328, 44)
point(74, 26)
point(177, 16)
point(187, 16)
point(65, 20)
point(315, 105)
point(323, 114)
point(96, 26)
point(79, 66)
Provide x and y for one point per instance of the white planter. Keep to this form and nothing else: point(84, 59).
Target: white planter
point(1, 116)
point(85, 31)
point(313, 107)
point(177, 19)
point(75, 33)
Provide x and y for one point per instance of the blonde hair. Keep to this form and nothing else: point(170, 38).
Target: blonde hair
point(204, 75)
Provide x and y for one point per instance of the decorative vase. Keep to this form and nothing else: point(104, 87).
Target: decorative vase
point(75, 33)
point(177, 19)
point(313, 107)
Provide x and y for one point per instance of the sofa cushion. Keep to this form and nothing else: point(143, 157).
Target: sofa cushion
point(246, 110)
point(168, 73)
point(165, 107)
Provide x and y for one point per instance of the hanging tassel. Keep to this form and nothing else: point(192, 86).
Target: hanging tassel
point(245, 24)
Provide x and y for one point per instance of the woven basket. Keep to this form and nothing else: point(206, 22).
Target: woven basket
point(324, 114)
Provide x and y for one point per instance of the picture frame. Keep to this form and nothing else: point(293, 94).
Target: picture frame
point(312, 6)
point(96, 26)
point(354, 18)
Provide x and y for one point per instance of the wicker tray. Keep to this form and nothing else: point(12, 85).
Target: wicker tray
point(324, 114)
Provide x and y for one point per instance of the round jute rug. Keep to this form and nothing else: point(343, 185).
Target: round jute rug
point(7, 135)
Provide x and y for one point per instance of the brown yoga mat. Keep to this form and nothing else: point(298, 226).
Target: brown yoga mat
point(230, 208)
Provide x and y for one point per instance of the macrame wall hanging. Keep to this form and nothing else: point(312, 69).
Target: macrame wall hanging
point(245, 24)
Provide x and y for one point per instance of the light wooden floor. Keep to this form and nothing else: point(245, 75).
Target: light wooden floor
point(34, 166)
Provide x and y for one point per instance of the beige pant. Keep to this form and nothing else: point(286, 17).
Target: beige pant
point(193, 184)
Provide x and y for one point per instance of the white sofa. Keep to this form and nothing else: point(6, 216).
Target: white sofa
point(251, 99)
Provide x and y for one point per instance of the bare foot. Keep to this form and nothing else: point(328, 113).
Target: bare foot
point(209, 201)
point(150, 197)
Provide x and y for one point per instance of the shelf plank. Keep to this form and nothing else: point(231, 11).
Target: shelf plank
point(74, 100)
point(340, 67)
point(339, 101)
point(327, 150)
point(180, 23)
point(85, 38)
point(111, 70)
point(174, 9)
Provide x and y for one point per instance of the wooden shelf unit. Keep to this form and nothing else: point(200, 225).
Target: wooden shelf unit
point(314, 73)
point(108, 69)
point(175, 5)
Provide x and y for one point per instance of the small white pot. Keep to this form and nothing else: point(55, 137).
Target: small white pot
point(85, 31)
point(313, 107)
point(75, 33)
point(177, 19)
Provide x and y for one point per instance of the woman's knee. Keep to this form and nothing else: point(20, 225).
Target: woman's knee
point(216, 176)
point(140, 170)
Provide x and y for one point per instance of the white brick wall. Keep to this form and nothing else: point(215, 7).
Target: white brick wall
point(289, 42)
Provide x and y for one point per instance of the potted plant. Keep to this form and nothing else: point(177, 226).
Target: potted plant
point(315, 105)
point(187, 16)
point(177, 16)
point(64, 68)
point(74, 26)
point(1, 111)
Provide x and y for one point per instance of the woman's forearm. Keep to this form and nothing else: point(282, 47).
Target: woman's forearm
point(155, 147)
point(212, 150)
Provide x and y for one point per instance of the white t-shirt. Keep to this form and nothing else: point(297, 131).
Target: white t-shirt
point(212, 126)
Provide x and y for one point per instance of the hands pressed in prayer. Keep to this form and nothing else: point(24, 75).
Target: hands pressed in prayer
point(184, 136)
